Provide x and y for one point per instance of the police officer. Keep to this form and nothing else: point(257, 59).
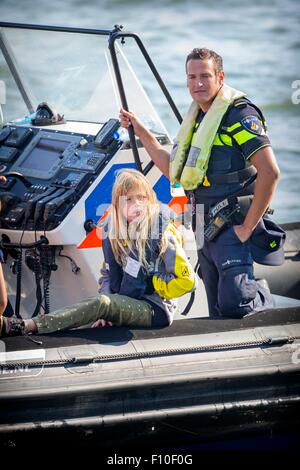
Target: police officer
point(239, 148)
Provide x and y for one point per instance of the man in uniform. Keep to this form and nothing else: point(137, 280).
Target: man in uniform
point(221, 152)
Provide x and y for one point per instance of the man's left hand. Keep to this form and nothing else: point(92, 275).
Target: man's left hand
point(243, 233)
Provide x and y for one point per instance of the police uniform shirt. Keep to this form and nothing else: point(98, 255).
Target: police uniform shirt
point(240, 135)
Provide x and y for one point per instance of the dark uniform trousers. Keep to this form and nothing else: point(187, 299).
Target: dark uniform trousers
point(227, 272)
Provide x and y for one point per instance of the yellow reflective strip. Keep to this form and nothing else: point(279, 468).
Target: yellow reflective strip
point(243, 136)
point(234, 126)
point(226, 139)
point(217, 140)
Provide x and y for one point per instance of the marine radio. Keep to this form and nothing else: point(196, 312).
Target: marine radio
point(220, 217)
point(105, 136)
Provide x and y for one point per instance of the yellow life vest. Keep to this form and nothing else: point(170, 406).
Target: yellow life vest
point(188, 163)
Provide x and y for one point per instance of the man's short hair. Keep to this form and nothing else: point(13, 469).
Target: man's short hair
point(205, 54)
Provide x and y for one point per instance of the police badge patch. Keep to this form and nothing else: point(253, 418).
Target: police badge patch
point(253, 124)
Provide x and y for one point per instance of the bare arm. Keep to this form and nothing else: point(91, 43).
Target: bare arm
point(3, 292)
point(160, 157)
point(267, 178)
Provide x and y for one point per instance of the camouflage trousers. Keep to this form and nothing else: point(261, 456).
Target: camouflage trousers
point(119, 309)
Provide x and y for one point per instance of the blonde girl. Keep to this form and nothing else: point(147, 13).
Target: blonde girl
point(145, 267)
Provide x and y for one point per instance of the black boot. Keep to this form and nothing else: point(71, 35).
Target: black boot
point(12, 327)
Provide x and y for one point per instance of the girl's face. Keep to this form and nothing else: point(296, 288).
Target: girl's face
point(134, 204)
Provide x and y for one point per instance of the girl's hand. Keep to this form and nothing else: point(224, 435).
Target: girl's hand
point(2, 179)
point(101, 323)
point(127, 119)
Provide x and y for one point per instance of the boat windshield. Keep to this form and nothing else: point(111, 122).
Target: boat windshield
point(73, 73)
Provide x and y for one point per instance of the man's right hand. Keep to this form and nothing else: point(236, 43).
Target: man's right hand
point(127, 118)
point(157, 153)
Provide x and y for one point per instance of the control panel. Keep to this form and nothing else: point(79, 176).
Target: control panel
point(47, 173)
point(86, 160)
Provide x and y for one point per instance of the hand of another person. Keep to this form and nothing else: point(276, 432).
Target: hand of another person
point(101, 323)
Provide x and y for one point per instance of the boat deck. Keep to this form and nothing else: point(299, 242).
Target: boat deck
point(184, 327)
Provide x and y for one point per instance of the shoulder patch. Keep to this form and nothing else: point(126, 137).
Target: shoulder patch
point(253, 124)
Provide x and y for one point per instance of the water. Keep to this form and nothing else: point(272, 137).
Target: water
point(259, 42)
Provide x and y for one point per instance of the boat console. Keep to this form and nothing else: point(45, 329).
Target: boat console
point(47, 172)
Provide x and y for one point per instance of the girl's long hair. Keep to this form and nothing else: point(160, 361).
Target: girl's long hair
point(134, 236)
